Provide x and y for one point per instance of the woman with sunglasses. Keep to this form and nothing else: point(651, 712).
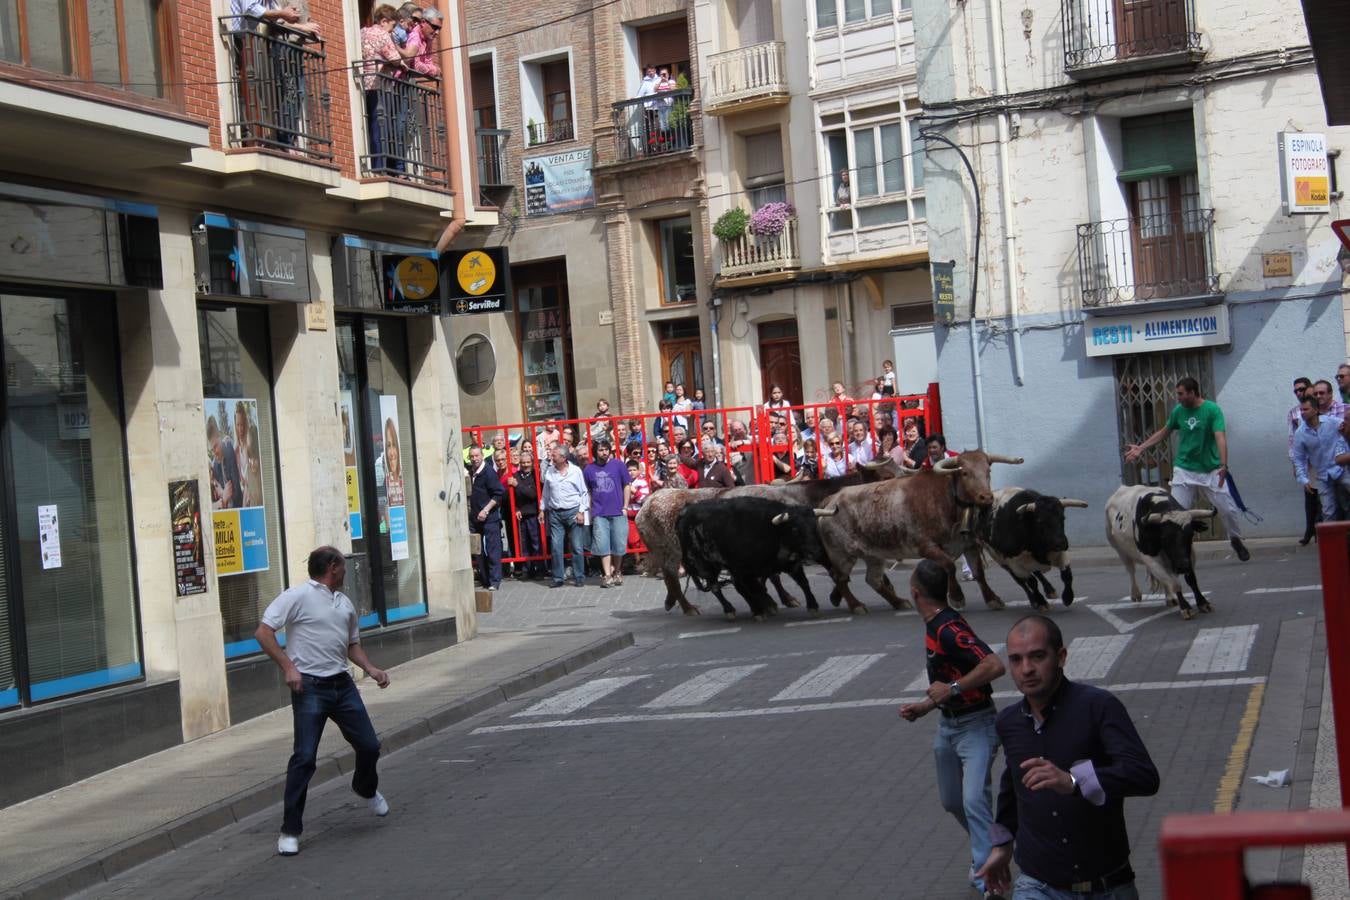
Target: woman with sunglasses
point(836, 460)
point(688, 463)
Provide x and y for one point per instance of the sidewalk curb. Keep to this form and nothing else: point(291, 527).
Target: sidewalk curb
point(106, 864)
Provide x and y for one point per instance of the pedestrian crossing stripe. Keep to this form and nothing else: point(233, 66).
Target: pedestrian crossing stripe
point(703, 687)
point(1219, 650)
point(579, 697)
point(828, 677)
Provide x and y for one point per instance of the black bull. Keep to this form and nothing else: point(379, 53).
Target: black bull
point(750, 538)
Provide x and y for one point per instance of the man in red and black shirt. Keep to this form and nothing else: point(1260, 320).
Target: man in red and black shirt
point(960, 669)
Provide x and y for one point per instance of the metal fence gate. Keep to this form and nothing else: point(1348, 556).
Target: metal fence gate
point(1146, 391)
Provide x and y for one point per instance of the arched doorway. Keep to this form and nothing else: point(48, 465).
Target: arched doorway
point(780, 359)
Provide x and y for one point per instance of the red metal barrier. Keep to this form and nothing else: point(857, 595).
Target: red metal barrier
point(1202, 856)
point(772, 454)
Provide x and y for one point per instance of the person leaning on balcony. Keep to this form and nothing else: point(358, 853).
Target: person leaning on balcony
point(379, 55)
point(420, 51)
point(841, 194)
point(281, 71)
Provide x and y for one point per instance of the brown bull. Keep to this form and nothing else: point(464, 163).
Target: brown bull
point(927, 515)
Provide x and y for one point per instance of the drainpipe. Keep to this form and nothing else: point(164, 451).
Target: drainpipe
point(715, 310)
point(999, 67)
point(454, 128)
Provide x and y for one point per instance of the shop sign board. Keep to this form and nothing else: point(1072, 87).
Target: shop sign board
point(1305, 173)
point(475, 281)
point(238, 258)
point(558, 183)
point(944, 291)
point(238, 515)
point(391, 470)
point(1152, 332)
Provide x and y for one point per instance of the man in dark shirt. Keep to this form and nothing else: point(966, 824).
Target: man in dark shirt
point(1073, 757)
point(960, 669)
point(525, 489)
point(485, 516)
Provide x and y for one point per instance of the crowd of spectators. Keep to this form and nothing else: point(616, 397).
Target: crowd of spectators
point(1319, 448)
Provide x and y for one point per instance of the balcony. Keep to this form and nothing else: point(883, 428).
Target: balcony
point(1105, 37)
point(750, 255)
point(747, 78)
point(405, 128)
point(1148, 258)
point(492, 157)
point(549, 132)
point(280, 89)
point(655, 125)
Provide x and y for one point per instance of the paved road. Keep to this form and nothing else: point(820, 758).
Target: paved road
point(747, 759)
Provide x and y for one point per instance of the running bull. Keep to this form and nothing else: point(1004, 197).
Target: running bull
point(1024, 533)
point(922, 515)
point(752, 539)
point(1149, 528)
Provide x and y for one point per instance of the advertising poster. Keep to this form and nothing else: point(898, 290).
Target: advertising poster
point(391, 468)
point(347, 412)
point(238, 515)
point(559, 182)
point(1306, 182)
point(49, 536)
point(185, 513)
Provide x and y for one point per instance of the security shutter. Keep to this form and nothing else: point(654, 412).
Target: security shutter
point(665, 44)
point(1157, 145)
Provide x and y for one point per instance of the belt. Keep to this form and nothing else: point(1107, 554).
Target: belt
point(1119, 878)
point(966, 711)
point(327, 679)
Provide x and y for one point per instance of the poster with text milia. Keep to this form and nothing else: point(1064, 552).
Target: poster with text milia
point(391, 469)
point(238, 513)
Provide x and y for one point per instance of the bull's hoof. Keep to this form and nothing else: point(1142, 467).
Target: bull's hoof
point(730, 617)
point(858, 610)
point(791, 602)
point(1171, 601)
point(771, 610)
point(996, 604)
point(1187, 613)
point(670, 603)
point(1040, 607)
point(1052, 594)
point(814, 613)
point(760, 617)
point(1136, 597)
point(692, 611)
point(1068, 598)
point(836, 598)
point(1205, 607)
point(958, 602)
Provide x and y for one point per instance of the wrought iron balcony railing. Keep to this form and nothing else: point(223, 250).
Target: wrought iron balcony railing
point(752, 254)
point(280, 88)
point(1137, 34)
point(1135, 260)
point(653, 125)
point(549, 132)
point(492, 157)
point(405, 127)
point(747, 74)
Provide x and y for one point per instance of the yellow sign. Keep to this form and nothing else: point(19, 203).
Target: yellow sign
point(476, 273)
point(353, 493)
point(416, 277)
point(1311, 191)
point(316, 316)
point(229, 552)
point(1277, 265)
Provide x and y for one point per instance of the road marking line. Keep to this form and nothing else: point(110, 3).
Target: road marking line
point(1231, 781)
point(921, 682)
point(1093, 657)
point(569, 701)
point(1288, 590)
point(835, 621)
point(828, 677)
point(698, 634)
point(702, 687)
point(1105, 611)
point(834, 705)
point(1219, 650)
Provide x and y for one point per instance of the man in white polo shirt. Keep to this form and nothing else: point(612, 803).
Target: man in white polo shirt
point(322, 633)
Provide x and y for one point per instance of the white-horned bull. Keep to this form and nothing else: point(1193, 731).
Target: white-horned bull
point(751, 539)
point(1024, 533)
point(1148, 527)
point(924, 515)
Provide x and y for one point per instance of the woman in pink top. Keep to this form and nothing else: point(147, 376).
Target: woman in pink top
point(379, 55)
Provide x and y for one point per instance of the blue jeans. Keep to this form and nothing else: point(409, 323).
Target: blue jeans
point(964, 751)
point(1028, 888)
point(562, 521)
point(334, 697)
point(609, 535)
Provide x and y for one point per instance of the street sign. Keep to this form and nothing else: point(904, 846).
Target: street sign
point(475, 281)
point(944, 291)
point(1342, 229)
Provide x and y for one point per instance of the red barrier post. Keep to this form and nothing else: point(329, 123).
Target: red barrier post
point(1333, 552)
point(1202, 855)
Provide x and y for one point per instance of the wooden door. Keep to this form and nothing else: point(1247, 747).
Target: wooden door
point(1167, 238)
point(1148, 27)
point(780, 363)
point(682, 363)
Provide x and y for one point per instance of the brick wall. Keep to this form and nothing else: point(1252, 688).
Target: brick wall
point(197, 39)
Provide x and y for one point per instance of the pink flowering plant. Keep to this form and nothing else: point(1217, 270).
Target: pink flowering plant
point(771, 218)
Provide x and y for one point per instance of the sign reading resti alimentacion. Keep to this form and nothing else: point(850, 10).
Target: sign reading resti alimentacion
point(1175, 329)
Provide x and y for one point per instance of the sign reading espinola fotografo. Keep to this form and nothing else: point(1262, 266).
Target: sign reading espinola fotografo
point(475, 281)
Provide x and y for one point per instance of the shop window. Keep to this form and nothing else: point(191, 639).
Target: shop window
point(116, 43)
point(476, 365)
point(65, 530)
point(240, 440)
point(545, 341)
point(676, 238)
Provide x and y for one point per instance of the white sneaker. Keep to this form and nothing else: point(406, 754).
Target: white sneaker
point(288, 845)
point(378, 805)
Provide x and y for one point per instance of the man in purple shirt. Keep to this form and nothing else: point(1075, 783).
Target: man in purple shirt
point(609, 483)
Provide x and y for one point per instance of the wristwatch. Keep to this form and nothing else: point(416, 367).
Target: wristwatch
point(1074, 781)
point(956, 688)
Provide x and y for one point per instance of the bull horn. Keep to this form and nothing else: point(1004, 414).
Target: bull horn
point(1026, 508)
point(780, 518)
point(1154, 518)
point(1010, 460)
point(1201, 513)
point(800, 476)
point(876, 463)
point(823, 513)
point(949, 466)
point(1069, 502)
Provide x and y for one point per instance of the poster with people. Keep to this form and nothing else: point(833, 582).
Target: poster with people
point(238, 513)
point(347, 413)
point(391, 468)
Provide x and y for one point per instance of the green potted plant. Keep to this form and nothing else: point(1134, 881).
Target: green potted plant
point(531, 133)
point(679, 111)
point(731, 225)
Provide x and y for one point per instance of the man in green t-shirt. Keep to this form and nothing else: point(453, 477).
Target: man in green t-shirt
point(1202, 457)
